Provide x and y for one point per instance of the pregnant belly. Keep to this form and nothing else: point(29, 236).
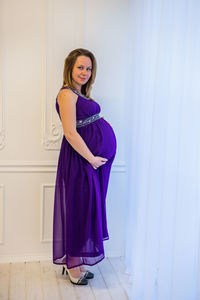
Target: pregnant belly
point(100, 138)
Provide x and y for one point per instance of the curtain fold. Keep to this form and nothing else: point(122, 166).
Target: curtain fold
point(163, 153)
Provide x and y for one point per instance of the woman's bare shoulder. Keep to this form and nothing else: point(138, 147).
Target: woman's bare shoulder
point(66, 94)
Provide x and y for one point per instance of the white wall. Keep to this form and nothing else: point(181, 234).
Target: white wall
point(35, 38)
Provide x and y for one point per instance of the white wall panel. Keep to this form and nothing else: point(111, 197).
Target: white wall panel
point(2, 213)
point(2, 107)
point(35, 39)
point(43, 167)
point(64, 32)
point(47, 201)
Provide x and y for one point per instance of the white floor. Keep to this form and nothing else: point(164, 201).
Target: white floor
point(44, 280)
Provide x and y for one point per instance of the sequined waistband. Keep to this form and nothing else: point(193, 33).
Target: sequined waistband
point(83, 122)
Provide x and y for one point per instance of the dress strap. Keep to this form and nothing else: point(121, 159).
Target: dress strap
point(76, 92)
point(67, 87)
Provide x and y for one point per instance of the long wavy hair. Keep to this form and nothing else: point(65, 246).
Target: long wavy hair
point(68, 67)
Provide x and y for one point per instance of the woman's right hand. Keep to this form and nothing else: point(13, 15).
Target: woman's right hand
point(98, 161)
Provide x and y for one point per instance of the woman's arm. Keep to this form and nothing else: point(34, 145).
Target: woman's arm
point(67, 106)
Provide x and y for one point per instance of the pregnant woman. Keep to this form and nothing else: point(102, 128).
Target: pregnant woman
point(87, 152)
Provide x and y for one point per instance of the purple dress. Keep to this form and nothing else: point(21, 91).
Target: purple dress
point(79, 218)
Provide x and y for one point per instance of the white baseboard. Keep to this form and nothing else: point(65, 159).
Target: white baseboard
point(24, 258)
point(40, 257)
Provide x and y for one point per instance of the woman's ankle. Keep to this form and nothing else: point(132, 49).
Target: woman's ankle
point(75, 272)
point(82, 268)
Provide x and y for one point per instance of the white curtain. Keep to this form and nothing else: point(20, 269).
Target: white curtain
point(163, 150)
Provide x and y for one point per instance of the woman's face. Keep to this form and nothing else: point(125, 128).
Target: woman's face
point(81, 71)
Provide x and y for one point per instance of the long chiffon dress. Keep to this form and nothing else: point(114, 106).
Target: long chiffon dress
point(79, 217)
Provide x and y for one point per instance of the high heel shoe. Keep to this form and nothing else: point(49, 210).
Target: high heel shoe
point(87, 274)
point(79, 281)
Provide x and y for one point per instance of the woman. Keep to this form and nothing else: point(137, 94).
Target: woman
point(87, 152)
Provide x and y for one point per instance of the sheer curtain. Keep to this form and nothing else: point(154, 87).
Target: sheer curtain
point(163, 150)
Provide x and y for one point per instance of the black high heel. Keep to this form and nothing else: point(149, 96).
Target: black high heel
point(63, 271)
point(87, 274)
point(79, 281)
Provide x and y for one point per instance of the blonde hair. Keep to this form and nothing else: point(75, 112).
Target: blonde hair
point(68, 67)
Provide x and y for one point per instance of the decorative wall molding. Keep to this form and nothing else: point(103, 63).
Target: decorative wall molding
point(53, 131)
point(43, 257)
point(43, 206)
point(28, 167)
point(25, 257)
point(2, 213)
point(45, 167)
point(79, 24)
point(52, 45)
point(2, 106)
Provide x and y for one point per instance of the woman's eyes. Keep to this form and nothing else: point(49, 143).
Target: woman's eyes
point(88, 69)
